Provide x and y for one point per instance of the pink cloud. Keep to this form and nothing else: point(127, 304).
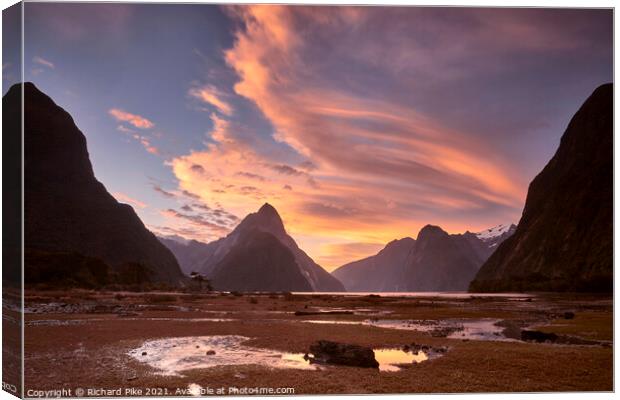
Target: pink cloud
point(210, 95)
point(123, 198)
point(133, 119)
point(44, 62)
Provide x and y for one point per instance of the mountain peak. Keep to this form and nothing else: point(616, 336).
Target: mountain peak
point(431, 231)
point(268, 210)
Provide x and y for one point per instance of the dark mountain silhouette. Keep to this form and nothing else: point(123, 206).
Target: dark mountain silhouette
point(383, 272)
point(68, 212)
point(564, 241)
point(259, 262)
point(189, 253)
point(234, 249)
point(436, 261)
point(443, 262)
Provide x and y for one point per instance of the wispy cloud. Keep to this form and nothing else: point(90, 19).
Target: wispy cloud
point(371, 125)
point(163, 191)
point(42, 61)
point(211, 95)
point(122, 197)
point(133, 119)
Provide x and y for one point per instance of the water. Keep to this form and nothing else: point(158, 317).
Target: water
point(447, 295)
point(392, 360)
point(471, 329)
point(172, 356)
point(60, 322)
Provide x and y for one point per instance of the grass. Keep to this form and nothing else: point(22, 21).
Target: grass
point(590, 325)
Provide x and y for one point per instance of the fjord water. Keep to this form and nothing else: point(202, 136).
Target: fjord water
point(446, 295)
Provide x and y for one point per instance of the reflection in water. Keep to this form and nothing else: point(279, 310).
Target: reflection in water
point(194, 389)
point(173, 355)
point(443, 295)
point(472, 329)
point(390, 359)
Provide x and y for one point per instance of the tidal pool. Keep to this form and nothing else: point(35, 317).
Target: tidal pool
point(392, 360)
point(471, 329)
point(172, 356)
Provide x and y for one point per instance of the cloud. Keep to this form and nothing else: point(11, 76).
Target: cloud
point(251, 176)
point(162, 191)
point(144, 140)
point(122, 197)
point(382, 119)
point(133, 119)
point(124, 129)
point(210, 95)
point(285, 169)
point(43, 61)
point(209, 223)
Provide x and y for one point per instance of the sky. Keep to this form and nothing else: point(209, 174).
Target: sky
point(360, 125)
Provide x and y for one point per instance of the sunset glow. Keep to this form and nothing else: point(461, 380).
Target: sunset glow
point(360, 125)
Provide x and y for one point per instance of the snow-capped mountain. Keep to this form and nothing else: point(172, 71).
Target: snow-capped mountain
point(497, 234)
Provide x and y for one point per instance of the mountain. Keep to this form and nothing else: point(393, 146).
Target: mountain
point(564, 241)
point(443, 262)
point(259, 262)
point(189, 253)
point(69, 215)
point(436, 261)
point(496, 235)
point(382, 272)
point(232, 257)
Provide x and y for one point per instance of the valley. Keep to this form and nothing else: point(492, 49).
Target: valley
point(91, 339)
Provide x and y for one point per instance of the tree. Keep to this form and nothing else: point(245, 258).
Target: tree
point(196, 277)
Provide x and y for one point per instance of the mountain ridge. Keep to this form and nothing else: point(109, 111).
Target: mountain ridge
point(67, 210)
point(404, 264)
point(564, 240)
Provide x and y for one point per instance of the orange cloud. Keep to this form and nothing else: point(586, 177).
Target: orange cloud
point(133, 119)
point(380, 169)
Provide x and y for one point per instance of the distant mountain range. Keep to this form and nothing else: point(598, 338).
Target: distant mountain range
point(257, 255)
point(564, 241)
point(75, 232)
point(436, 261)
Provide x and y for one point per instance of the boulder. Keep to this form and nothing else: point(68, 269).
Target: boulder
point(327, 352)
point(538, 336)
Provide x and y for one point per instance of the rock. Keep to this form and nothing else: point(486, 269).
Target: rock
point(132, 378)
point(564, 240)
point(538, 336)
point(211, 352)
point(74, 227)
point(144, 353)
point(569, 315)
point(328, 352)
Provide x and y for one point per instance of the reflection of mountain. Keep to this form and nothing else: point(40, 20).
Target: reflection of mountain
point(70, 219)
point(436, 261)
point(564, 241)
point(259, 255)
